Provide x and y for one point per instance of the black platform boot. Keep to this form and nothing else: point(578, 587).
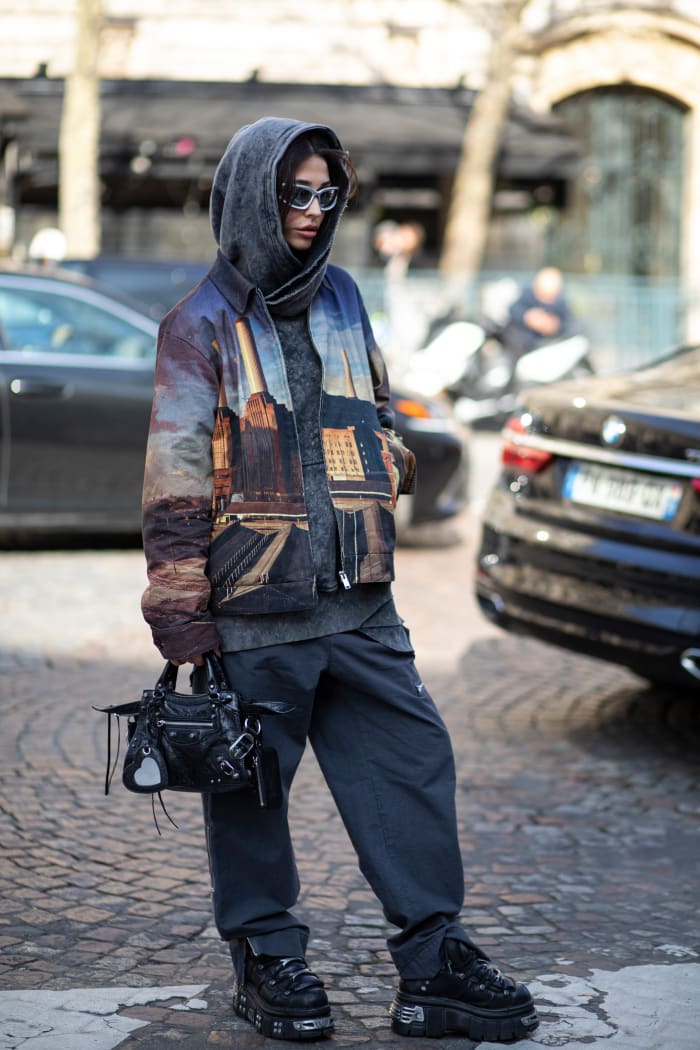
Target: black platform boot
point(468, 995)
point(283, 999)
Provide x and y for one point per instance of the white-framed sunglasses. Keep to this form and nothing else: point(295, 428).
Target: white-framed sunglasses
point(302, 197)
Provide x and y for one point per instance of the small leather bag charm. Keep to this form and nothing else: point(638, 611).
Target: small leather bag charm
point(195, 742)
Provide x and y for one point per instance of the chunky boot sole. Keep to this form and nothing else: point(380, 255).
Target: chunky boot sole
point(432, 1018)
point(316, 1024)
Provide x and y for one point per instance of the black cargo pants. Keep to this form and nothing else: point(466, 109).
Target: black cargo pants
point(386, 756)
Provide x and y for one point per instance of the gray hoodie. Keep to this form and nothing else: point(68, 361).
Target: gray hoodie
point(246, 221)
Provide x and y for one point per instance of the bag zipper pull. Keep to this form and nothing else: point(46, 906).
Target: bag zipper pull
point(344, 580)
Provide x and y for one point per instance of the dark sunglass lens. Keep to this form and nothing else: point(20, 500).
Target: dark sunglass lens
point(327, 198)
point(302, 197)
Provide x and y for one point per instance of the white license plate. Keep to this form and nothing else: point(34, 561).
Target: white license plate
point(623, 491)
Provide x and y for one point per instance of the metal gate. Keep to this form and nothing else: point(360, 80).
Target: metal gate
point(623, 212)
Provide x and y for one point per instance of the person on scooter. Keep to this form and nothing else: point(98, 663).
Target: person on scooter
point(540, 313)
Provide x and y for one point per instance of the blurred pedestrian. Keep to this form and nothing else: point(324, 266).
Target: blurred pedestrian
point(272, 475)
point(47, 247)
point(539, 314)
point(398, 244)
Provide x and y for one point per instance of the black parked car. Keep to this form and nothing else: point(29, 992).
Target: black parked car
point(76, 380)
point(591, 537)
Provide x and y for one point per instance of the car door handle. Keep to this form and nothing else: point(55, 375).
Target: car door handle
point(36, 388)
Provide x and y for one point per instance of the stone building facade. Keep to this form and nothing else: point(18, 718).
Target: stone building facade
point(585, 64)
point(409, 42)
point(651, 51)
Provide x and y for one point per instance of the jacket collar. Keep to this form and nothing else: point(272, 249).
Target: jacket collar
point(231, 283)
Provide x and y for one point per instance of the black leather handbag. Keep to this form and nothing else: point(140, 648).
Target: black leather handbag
point(195, 742)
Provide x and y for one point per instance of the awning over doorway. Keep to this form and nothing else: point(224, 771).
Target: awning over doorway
point(180, 129)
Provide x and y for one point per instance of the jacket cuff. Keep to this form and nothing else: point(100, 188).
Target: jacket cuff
point(186, 640)
point(404, 461)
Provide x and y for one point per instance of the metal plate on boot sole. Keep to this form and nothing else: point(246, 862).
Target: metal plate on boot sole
point(313, 1024)
point(434, 1018)
point(276, 1027)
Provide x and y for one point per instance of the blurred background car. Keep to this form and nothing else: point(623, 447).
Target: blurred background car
point(157, 284)
point(76, 381)
point(591, 536)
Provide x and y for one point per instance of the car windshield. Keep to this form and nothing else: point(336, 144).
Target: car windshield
point(58, 321)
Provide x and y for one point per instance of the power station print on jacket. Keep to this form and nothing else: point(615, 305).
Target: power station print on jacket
point(259, 555)
point(260, 525)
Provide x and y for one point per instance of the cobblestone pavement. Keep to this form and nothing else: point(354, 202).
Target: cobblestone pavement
point(578, 802)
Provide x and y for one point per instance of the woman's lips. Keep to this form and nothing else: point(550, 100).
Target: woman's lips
point(307, 231)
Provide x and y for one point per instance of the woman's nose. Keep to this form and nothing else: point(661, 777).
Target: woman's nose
point(314, 208)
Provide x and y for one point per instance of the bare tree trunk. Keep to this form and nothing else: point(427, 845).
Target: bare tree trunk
point(470, 207)
point(79, 140)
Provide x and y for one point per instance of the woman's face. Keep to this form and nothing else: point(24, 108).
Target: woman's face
point(301, 227)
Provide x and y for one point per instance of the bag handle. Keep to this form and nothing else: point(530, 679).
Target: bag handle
point(217, 681)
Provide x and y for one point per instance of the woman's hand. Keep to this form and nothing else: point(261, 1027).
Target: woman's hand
point(198, 660)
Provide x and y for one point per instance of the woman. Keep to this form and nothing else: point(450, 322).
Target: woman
point(271, 480)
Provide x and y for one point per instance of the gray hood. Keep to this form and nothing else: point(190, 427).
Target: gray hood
point(246, 221)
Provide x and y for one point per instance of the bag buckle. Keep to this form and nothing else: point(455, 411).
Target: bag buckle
point(242, 746)
point(238, 750)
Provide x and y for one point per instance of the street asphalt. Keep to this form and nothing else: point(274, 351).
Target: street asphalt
point(578, 801)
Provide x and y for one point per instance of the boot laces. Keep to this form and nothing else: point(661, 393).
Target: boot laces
point(480, 971)
point(289, 974)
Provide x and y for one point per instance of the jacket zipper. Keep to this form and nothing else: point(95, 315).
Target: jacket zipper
point(342, 574)
point(266, 313)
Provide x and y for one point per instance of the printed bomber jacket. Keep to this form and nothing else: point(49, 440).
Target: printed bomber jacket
point(225, 523)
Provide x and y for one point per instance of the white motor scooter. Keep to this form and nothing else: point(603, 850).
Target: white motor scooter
point(472, 366)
